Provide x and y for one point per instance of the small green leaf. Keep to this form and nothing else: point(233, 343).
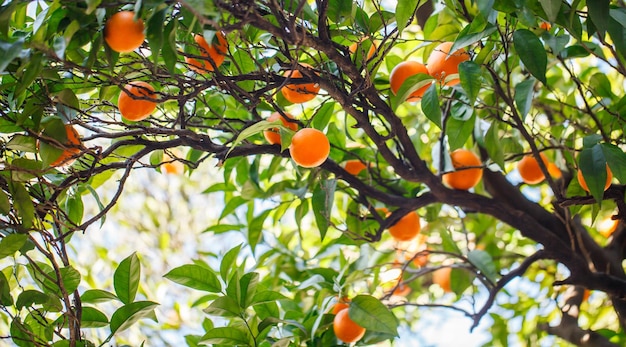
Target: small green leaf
point(410, 85)
point(616, 158)
point(524, 96)
point(322, 203)
point(430, 105)
point(129, 314)
point(483, 262)
point(227, 336)
point(531, 52)
point(8, 52)
point(447, 242)
point(373, 315)
point(592, 163)
point(92, 318)
point(96, 296)
point(196, 277)
point(5, 204)
point(493, 144)
point(22, 143)
point(323, 115)
point(5, 291)
point(255, 229)
point(11, 244)
point(224, 306)
point(458, 131)
point(599, 14)
point(601, 85)
point(154, 33)
point(471, 79)
point(551, 8)
point(248, 284)
point(126, 278)
point(460, 280)
point(266, 296)
point(229, 261)
point(23, 204)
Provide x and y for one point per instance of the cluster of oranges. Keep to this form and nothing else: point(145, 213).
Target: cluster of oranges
point(441, 65)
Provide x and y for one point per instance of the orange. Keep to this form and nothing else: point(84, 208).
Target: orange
point(583, 184)
point(554, 170)
point(441, 277)
point(71, 148)
point(136, 107)
point(586, 294)
point(441, 64)
point(214, 53)
point(299, 93)
point(421, 258)
point(545, 26)
point(341, 304)
point(123, 33)
point(406, 228)
point(172, 166)
point(309, 147)
point(272, 135)
point(354, 167)
point(353, 48)
point(401, 290)
point(463, 179)
point(403, 71)
point(346, 329)
point(529, 169)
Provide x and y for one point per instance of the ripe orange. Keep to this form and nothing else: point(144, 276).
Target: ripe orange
point(586, 294)
point(71, 148)
point(401, 290)
point(341, 304)
point(545, 26)
point(272, 135)
point(299, 93)
point(406, 228)
point(215, 52)
point(441, 64)
point(123, 33)
point(354, 167)
point(421, 259)
point(403, 71)
point(607, 227)
point(554, 170)
point(441, 277)
point(172, 166)
point(583, 184)
point(529, 169)
point(353, 48)
point(463, 179)
point(346, 329)
point(136, 107)
point(309, 147)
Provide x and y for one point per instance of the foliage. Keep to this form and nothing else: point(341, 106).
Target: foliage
point(316, 234)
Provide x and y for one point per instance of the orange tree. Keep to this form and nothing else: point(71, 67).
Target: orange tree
point(512, 87)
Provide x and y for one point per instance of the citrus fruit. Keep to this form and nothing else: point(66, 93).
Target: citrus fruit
point(71, 148)
point(401, 289)
point(214, 53)
point(123, 33)
point(607, 227)
point(354, 167)
point(346, 329)
point(299, 93)
point(529, 168)
point(421, 258)
point(272, 135)
point(406, 228)
point(357, 45)
point(341, 304)
point(403, 71)
point(442, 64)
point(441, 277)
point(583, 184)
point(309, 147)
point(462, 178)
point(554, 170)
point(545, 26)
point(171, 165)
point(137, 101)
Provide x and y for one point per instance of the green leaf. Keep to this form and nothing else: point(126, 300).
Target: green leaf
point(92, 318)
point(493, 144)
point(96, 296)
point(224, 306)
point(373, 315)
point(460, 280)
point(229, 261)
point(5, 204)
point(531, 52)
point(524, 96)
point(458, 131)
point(196, 277)
point(471, 79)
point(74, 208)
point(410, 85)
point(430, 105)
point(248, 284)
point(322, 203)
point(255, 229)
point(227, 336)
point(468, 35)
point(154, 33)
point(265, 296)
point(405, 9)
point(551, 8)
point(323, 115)
point(252, 130)
point(599, 14)
point(23, 204)
point(5, 291)
point(616, 158)
point(129, 314)
point(70, 278)
point(483, 262)
point(447, 242)
point(11, 244)
point(168, 51)
point(592, 163)
point(126, 278)
point(21, 334)
point(485, 7)
point(22, 143)
point(601, 85)
point(8, 52)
